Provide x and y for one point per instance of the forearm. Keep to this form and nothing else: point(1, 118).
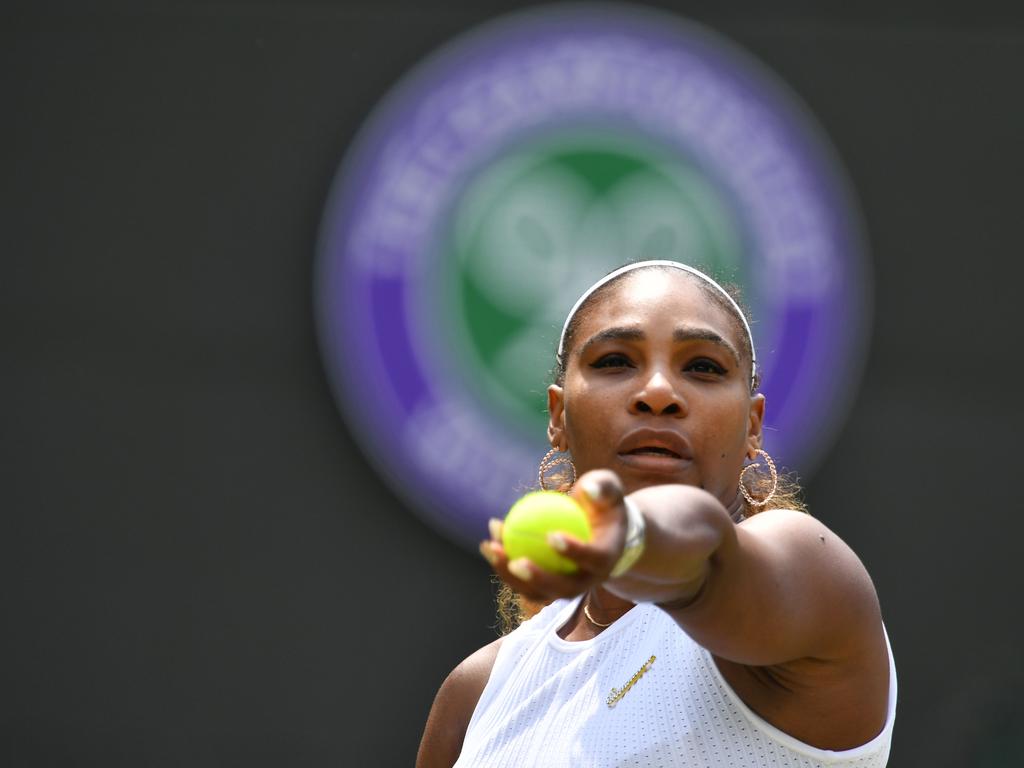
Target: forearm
point(685, 528)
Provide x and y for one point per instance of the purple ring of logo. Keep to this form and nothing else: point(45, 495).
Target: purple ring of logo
point(369, 263)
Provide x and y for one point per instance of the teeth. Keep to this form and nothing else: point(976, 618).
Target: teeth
point(655, 452)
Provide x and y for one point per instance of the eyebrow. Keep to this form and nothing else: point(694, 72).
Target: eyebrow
point(680, 334)
point(687, 333)
point(613, 334)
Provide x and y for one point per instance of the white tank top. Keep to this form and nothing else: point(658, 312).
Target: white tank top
point(545, 704)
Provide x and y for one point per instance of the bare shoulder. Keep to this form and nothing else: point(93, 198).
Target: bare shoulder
point(795, 523)
point(785, 588)
point(827, 682)
point(470, 677)
point(818, 555)
point(453, 707)
point(799, 530)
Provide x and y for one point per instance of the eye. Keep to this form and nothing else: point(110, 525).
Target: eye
point(704, 365)
point(612, 360)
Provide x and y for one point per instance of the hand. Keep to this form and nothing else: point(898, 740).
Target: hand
point(599, 492)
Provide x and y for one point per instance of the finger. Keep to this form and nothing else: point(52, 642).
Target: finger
point(529, 579)
point(598, 491)
point(596, 557)
point(488, 550)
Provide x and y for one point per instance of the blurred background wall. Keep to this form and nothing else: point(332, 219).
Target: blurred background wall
point(202, 568)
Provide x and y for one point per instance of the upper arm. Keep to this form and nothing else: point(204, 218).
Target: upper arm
point(453, 707)
point(784, 587)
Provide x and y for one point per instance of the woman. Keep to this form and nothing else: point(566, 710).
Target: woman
point(697, 630)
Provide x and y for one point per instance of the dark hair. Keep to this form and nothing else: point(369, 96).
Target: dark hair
point(513, 608)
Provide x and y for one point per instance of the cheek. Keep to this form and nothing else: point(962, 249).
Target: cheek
point(587, 426)
point(583, 431)
point(726, 441)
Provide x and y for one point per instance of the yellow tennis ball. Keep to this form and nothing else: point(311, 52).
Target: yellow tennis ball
point(532, 518)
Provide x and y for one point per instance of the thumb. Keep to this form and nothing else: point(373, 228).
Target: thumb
point(600, 493)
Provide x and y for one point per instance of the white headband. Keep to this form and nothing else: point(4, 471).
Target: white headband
point(662, 263)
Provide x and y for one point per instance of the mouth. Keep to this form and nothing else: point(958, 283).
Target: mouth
point(655, 449)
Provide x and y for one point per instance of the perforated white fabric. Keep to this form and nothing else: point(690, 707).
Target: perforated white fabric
point(545, 704)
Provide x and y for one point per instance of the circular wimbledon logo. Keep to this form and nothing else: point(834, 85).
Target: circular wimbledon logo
point(522, 162)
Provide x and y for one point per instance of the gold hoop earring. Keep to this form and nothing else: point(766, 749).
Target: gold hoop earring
point(775, 480)
point(552, 460)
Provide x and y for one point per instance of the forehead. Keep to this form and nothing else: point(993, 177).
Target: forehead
point(657, 299)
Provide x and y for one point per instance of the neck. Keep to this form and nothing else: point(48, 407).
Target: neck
point(604, 606)
point(736, 509)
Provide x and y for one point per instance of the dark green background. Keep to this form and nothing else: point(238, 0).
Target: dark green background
point(200, 568)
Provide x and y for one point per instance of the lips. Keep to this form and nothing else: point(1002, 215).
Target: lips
point(655, 444)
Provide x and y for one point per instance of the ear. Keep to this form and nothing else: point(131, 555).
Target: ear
point(755, 423)
point(556, 418)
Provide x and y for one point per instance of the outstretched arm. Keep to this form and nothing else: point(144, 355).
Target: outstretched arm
point(778, 587)
point(784, 605)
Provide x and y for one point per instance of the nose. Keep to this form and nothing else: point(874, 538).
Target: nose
point(658, 396)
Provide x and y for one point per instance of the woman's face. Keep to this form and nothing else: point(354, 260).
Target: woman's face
point(655, 388)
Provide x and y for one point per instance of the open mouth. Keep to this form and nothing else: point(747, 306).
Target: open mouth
point(653, 451)
point(659, 450)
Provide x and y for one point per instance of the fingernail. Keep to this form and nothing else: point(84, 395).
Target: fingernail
point(591, 488)
point(557, 542)
point(488, 553)
point(520, 569)
point(494, 525)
